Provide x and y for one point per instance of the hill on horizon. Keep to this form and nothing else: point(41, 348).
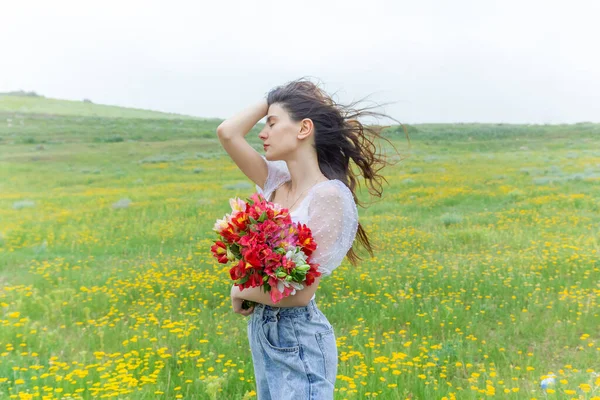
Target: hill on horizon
point(32, 103)
point(23, 102)
point(28, 118)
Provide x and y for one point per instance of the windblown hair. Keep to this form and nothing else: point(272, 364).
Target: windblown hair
point(339, 138)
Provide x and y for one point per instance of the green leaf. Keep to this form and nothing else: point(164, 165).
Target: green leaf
point(242, 280)
point(297, 275)
point(262, 217)
point(235, 249)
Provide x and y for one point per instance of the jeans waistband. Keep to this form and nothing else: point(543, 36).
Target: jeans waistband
point(265, 309)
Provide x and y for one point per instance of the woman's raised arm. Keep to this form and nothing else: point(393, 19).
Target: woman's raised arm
point(231, 134)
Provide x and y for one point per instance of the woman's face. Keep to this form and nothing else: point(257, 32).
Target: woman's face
point(279, 135)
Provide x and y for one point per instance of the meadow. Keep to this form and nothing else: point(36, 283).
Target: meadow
point(484, 284)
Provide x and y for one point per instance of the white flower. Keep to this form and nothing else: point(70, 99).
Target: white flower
point(281, 284)
point(221, 223)
point(237, 204)
point(297, 256)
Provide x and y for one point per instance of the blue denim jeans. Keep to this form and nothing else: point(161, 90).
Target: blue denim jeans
point(294, 352)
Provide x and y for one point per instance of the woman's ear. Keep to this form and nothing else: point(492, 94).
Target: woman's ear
point(306, 128)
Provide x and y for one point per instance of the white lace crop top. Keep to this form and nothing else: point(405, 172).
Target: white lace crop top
point(328, 209)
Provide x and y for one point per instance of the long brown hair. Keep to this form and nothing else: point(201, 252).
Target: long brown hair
point(339, 138)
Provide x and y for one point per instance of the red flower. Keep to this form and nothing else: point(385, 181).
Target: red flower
point(305, 239)
point(272, 262)
point(238, 271)
point(252, 255)
point(231, 234)
point(311, 274)
point(255, 280)
point(219, 250)
point(240, 220)
point(251, 239)
point(270, 229)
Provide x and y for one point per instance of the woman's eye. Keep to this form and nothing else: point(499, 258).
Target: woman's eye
point(271, 125)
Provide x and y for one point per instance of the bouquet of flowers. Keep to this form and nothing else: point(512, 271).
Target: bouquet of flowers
point(267, 248)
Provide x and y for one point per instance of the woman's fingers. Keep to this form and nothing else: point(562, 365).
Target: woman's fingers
point(247, 312)
point(237, 307)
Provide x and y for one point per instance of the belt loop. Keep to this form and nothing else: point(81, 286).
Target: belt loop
point(259, 309)
point(311, 310)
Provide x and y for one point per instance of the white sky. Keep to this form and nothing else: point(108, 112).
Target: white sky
point(441, 61)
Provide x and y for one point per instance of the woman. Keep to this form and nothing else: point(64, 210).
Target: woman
point(309, 142)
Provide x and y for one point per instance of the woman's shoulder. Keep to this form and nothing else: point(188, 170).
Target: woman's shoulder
point(332, 188)
point(331, 194)
point(333, 208)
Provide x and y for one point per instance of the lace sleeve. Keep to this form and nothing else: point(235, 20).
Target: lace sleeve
point(278, 173)
point(333, 220)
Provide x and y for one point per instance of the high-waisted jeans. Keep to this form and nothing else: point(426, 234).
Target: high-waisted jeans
point(294, 352)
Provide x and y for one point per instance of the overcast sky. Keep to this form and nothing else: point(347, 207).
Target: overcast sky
point(513, 61)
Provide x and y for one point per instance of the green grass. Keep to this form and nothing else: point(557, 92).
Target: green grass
point(485, 281)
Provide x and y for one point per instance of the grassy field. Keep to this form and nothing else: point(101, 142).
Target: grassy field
point(485, 282)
